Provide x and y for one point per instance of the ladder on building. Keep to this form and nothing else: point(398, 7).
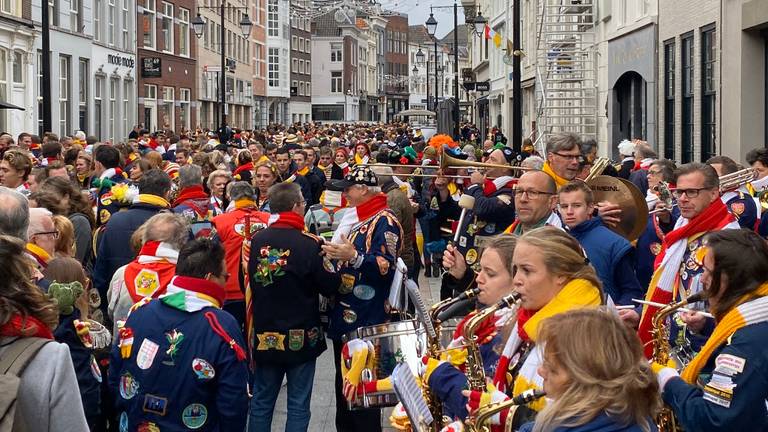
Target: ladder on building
point(566, 71)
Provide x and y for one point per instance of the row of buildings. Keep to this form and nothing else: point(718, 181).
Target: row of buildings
point(116, 64)
point(688, 76)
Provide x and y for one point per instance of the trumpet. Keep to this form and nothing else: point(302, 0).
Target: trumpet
point(735, 180)
point(477, 421)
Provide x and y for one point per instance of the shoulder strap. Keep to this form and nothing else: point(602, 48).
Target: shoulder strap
point(19, 353)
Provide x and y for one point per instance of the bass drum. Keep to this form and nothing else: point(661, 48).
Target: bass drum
point(393, 343)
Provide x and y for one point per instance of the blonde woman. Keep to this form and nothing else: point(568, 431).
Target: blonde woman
point(65, 243)
point(608, 386)
point(552, 276)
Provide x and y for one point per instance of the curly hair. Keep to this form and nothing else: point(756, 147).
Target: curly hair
point(78, 203)
point(607, 372)
point(18, 294)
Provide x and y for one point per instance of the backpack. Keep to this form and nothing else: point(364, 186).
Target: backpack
point(14, 360)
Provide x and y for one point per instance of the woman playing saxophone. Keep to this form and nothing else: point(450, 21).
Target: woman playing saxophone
point(724, 388)
point(552, 276)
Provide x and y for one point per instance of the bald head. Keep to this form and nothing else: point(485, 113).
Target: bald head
point(535, 197)
point(542, 179)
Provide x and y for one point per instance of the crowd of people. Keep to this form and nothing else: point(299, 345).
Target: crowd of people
point(175, 282)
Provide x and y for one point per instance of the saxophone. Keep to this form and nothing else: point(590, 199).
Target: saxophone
point(477, 420)
point(475, 372)
point(665, 419)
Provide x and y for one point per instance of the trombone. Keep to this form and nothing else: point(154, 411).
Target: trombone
point(448, 162)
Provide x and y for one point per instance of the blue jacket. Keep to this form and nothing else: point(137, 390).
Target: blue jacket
point(648, 246)
point(105, 205)
point(601, 423)
point(743, 363)
point(365, 288)
point(202, 386)
point(87, 370)
point(490, 216)
point(112, 246)
point(610, 255)
point(743, 206)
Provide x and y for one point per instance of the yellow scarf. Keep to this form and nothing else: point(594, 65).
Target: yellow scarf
point(358, 159)
point(576, 294)
point(558, 180)
point(732, 321)
point(452, 188)
point(152, 200)
point(303, 171)
point(38, 252)
point(244, 203)
point(262, 159)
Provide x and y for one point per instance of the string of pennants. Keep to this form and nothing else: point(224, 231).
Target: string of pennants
point(490, 34)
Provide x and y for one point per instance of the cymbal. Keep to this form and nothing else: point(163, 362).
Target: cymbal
point(634, 210)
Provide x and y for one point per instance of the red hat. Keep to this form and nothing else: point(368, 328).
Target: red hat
point(343, 150)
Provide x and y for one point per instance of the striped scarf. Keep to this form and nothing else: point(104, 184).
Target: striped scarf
point(192, 294)
point(747, 313)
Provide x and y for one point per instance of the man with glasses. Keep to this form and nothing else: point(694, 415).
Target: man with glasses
point(283, 310)
point(535, 200)
point(677, 273)
point(42, 236)
point(564, 157)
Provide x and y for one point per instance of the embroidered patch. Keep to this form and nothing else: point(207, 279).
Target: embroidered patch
point(347, 282)
point(295, 339)
point(270, 264)
point(717, 396)
point(383, 265)
point(155, 404)
point(471, 256)
point(328, 265)
point(146, 282)
point(391, 239)
point(125, 341)
point(271, 340)
point(363, 229)
point(313, 335)
point(148, 427)
point(128, 386)
point(94, 299)
point(104, 216)
point(737, 208)
point(146, 354)
point(194, 416)
point(364, 292)
point(203, 369)
point(174, 338)
point(349, 316)
point(731, 362)
point(95, 369)
point(124, 422)
point(655, 248)
point(463, 241)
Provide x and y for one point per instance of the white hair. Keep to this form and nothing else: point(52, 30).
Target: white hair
point(36, 217)
point(533, 162)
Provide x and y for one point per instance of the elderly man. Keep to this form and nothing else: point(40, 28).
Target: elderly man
point(284, 310)
point(41, 235)
point(111, 244)
point(233, 228)
point(365, 247)
point(563, 157)
point(192, 202)
point(14, 214)
point(678, 273)
point(163, 235)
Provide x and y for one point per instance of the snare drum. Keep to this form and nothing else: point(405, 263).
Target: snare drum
point(392, 343)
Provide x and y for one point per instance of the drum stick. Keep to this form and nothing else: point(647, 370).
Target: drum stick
point(650, 303)
point(466, 202)
point(621, 307)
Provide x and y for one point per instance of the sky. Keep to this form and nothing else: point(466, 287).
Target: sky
point(418, 12)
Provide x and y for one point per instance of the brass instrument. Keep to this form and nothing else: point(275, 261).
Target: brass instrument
point(634, 209)
point(447, 161)
point(735, 180)
point(665, 196)
point(477, 421)
point(598, 166)
point(475, 372)
point(665, 419)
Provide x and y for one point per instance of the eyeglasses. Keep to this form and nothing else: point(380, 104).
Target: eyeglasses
point(532, 194)
point(569, 156)
point(690, 193)
point(54, 233)
point(654, 172)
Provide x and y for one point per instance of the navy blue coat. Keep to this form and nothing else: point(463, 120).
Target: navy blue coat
point(88, 374)
point(491, 215)
point(105, 205)
point(112, 246)
point(744, 208)
point(743, 361)
point(203, 386)
point(601, 423)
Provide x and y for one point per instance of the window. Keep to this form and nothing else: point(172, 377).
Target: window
point(708, 93)
point(126, 24)
point(82, 94)
point(150, 105)
point(53, 12)
point(166, 27)
point(301, 44)
point(687, 103)
point(184, 32)
point(74, 15)
point(669, 100)
point(6, 6)
point(273, 22)
point(301, 66)
point(295, 84)
point(185, 98)
point(307, 67)
point(149, 24)
point(301, 88)
point(18, 67)
point(336, 82)
point(113, 109)
point(294, 43)
point(111, 17)
point(4, 85)
point(98, 88)
point(166, 110)
point(258, 55)
point(97, 8)
point(307, 46)
point(294, 65)
point(274, 67)
point(63, 95)
point(127, 93)
point(336, 52)
point(308, 88)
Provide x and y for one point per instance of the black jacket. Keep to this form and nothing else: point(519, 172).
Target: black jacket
point(286, 317)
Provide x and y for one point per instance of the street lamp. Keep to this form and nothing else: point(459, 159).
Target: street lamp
point(346, 95)
point(198, 25)
point(420, 57)
point(479, 23)
point(431, 25)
